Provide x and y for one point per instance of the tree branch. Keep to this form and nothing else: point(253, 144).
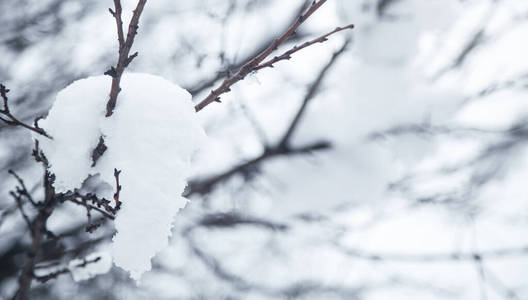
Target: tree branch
point(310, 94)
point(9, 119)
point(249, 67)
point(282, 148)
point(124, 49)
point(38, 229)
point(248, 168)
point(287, 55)
point(199, 87)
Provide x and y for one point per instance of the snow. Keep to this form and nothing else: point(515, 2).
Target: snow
point(91, 266)
point(150, 137)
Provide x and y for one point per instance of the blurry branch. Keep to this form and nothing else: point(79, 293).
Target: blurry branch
point(284, 143)
point(224, 220)
point(479, 266)
point(485, 165)
point(38, 230)
point(520, 80)
point(254, 63)
point(6, 212)
point(18, 195)
point(248, 168)
point(124, 49)
point(259, 131)
point(21, 190)
point(475, 41)
point(55, 274)
point(497, 284)
point(290, 291)
point(9, 119)
point(426, 129)
point(454, 256)
point(422, 285)
point(382, 7)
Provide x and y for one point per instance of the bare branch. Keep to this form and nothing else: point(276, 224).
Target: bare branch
point(118, 189)
point(124, 59)
point(38, 230)
point(287, 55)
point(250, 167)
point(194, 90)
point(117, 16)
point(223, 220)
point(55, 274)
point(124, 49)
point(310, 94)
point(9, 119)
point(89, 206)
point(98, 151)
point(249, 67)
point(455, 256)
point(22, 190)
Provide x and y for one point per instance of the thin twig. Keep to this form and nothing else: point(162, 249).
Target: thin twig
point(287, 55)
point(247, 169)
point(9, 119)
point(55, 274)
point(433, 257)
point(118, 189)
point(22, 190)
point(89, 206)
point(38, 230)
point(249, 67)
point(124, 59)
point(226, 71)
point(124, 49)
point(20, 207)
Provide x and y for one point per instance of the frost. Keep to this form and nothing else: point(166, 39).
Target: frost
point(150, 137)
point(91, 266)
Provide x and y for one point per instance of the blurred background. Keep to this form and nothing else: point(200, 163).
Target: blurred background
point(404, 177)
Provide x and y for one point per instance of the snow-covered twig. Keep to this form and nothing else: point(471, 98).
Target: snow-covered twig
point(254, 63)
point(9, 119)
